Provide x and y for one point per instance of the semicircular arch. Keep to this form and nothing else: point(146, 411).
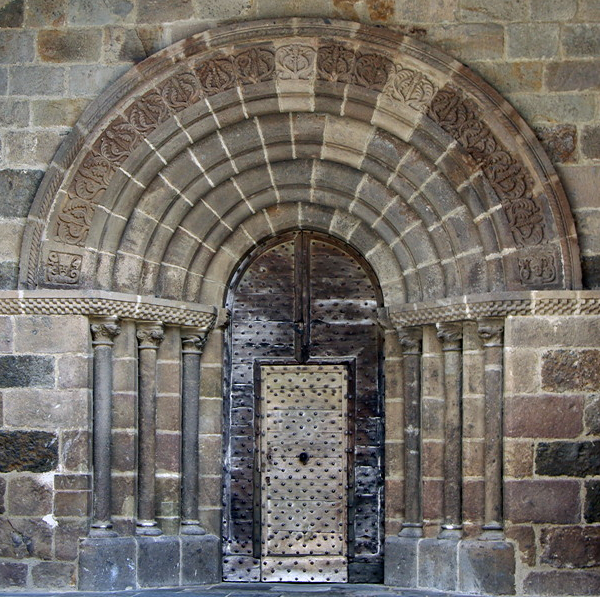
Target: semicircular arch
point(244, 131)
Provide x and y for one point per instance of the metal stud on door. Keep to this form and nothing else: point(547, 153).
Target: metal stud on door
point(303, 473)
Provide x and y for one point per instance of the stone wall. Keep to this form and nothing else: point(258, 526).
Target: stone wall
point(552, 452)
point(44, 481)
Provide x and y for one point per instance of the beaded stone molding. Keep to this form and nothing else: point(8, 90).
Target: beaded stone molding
point(513, 304)
point(248, 130)
point(105, 304)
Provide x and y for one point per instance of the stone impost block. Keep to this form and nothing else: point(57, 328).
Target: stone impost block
point(158, 561)
point(200, 559)
point(107, 564)
point(400, 567)
point(486, 567)
point(437, 564)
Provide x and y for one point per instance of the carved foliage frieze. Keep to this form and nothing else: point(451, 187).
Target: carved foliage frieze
point(460, 118)
point(205, 78)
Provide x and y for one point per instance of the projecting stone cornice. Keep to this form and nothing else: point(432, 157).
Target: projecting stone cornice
point(104, 304)
point(503, 304)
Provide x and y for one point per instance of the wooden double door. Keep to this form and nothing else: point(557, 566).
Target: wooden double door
point(303, 488)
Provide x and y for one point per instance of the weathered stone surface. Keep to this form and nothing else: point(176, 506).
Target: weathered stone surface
point(573, 75)
point(544, 416)
point(17, 187)
point(42, 409)
point(553, 10)
point(438, 564)
point(590, 141)
point(25, 538)
point(63, 112)
point(559, 141)
point(518, 458)
point(590, 268)
point(476, 41)
point(524, 536)
point(28, 451)
point(53, 575)
point(401, 562)
point(37, 80)
point(11, 15)
point(90, 12)
point(155, 11)
point(592, 501)
point(158, 561)
point(72, 503)
point(571, 547)
point(570, 370)
point(28, 497)
point(573, 582)
point(566, 107)
point(31, 148)
point(574, 459)
point(511, 10)
point(46, 13)
point(512, 76)
point(200, 559)
point(12, 574)
point(89, 81)
point(16, 46)
point(21, 371)
point(57, 334)
point(107, 564)
point(486, 567)
point(2, 493)
point(545, 501)
point(74, 453)
point(537, 40)
point(124, 45)
point(9, 275)
point(14, 113)
point(72, 45)
point(581, 40)
point(67, 535)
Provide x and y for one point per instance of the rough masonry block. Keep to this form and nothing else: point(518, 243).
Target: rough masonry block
point(28, 451)
point(574, 459)
point(17, 188)
point(200, 559)
point(21, 371)
point(437, 564)
point(107, 564)
point(571, 547)
point(486, 567)
point(158, 561)
point(400, 567)
point(592, 501)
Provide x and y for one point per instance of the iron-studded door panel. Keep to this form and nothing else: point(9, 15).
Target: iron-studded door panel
point(303, 441)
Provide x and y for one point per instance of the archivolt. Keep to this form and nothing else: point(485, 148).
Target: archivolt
point(246, 131)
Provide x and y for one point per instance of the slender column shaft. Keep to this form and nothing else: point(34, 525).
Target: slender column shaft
point(193, 341)
point(491, 332)
point(411, 340)
point(149, 336)
point(451, 337)
point(103, 331)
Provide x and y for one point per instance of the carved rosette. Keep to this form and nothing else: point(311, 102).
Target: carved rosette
point(150, 335)
point(491, 332)
point(104, 330)
point(451, 335)
point(411, 340)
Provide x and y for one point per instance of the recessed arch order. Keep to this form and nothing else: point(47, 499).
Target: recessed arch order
point(241, 132)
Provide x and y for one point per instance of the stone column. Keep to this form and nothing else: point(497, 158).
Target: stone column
point(411, 340)
point(149, 335)
point(491, 331)
point(103, 331)
point(451, 336)
point(193, 341)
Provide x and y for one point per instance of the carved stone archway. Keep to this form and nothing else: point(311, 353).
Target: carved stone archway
point(239, 134)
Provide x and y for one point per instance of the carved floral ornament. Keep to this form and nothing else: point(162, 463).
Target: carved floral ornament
point(384, 70)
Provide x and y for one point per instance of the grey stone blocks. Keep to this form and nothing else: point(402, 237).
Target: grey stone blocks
point(470, 566)
point(119, 563)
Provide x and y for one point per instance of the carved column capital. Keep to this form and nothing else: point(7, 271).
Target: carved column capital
point(104, 330)
point(451, 335)
point(193, 340)
point(411, 340)
point(491, 331)
point(150, 334)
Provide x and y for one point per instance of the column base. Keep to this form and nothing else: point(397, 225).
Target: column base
point(122, 563)
point(147, 528)
point(191, 527)
point(467, 565)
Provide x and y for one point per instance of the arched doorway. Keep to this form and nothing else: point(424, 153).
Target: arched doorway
point(303, 489)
